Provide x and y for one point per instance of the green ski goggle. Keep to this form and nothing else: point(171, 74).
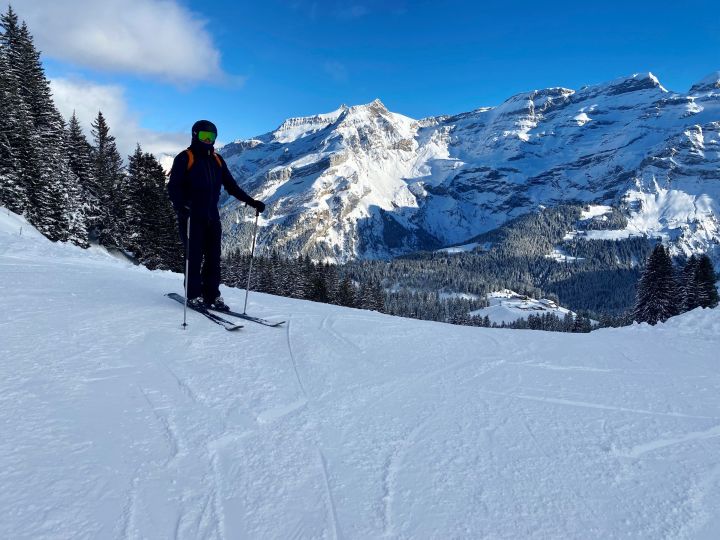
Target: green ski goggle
point(207, 136)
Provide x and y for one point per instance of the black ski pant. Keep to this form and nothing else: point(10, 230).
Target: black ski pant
point(204, 257)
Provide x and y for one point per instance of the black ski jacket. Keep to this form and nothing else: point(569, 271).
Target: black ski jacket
point(196, 192)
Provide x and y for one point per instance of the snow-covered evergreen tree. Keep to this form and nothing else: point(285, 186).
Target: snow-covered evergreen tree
point(51, 201)
point(74, 205)
point(346, 295)
point(34, 169)
point(146, 227)
point(79, 153)
point(688, 284)
point(13, 193)
point(658, 292)
point(705, 278)
point(160, 235)
point(16, 151)
point(108, 169)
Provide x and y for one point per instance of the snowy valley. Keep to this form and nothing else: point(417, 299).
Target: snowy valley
point(341, 424)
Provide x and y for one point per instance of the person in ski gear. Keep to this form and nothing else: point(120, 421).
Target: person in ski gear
point(194, 188)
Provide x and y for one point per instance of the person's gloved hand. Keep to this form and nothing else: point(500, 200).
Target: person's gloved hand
point(258, 205)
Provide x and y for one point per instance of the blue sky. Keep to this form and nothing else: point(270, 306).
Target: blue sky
point(249, 65)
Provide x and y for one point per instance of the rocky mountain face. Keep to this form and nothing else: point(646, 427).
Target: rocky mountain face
point(364, 182)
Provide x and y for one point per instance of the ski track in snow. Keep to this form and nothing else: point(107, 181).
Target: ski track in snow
point(640, 449)
point(294, 362)
point(327, 326)
point(390, 471)
point(348, 424)
point(331, 504)
point(583, 404)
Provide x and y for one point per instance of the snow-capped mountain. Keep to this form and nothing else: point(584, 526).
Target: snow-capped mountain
point(365, 182)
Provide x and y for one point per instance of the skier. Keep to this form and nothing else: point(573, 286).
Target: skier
point(194, 188)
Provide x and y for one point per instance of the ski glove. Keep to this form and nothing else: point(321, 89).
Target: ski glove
point(258, 205)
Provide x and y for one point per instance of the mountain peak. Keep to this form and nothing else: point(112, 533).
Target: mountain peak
point(707, 84)
point(375, 104)
point(631, 83)
point(294, 128)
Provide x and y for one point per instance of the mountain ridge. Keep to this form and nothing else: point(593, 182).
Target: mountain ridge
point(365, 182)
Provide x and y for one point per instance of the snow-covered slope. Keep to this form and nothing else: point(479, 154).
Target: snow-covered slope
point(365, 182)
point(343, 424)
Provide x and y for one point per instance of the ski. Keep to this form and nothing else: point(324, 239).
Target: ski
point(246, 317)
point(227, 325)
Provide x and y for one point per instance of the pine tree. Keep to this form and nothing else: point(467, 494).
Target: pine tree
point(688, 285)
point(35, 177)
point(79, 153)
point(74, 205)
point(50, 200)
point(371, 296)
point(147, 229)
point(346, 293)
point(657, 294)
point(13, 193)
point(16, 154)
point(165, 230)
point(705, 278)
point(318, 288)
point(582, 324)
point(108, 169)
point(128, 198)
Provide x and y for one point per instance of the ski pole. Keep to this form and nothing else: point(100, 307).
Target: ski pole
point(252, 254)
point(187, 271)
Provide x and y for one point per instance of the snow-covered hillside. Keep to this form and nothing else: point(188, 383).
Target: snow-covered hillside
point(365, 182)
point(342, 424)
point(507, 306)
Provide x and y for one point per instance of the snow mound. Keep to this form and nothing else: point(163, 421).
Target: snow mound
point(11, 224)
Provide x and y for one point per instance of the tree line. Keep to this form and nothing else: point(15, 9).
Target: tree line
point(301, 278)
point(666, 290)
point(68, 188)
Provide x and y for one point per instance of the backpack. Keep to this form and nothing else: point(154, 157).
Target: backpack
point(191, 159)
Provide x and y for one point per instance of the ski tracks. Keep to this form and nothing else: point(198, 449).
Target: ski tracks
point(391, 468)
point(328, 326)
point(192, 462)
point(130, 511)
point(332, 511)
point(294, 361)
point(589, 405)
point(304, 404)
point(641, 449)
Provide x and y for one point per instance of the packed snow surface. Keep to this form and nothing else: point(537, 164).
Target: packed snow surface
point(341, 424)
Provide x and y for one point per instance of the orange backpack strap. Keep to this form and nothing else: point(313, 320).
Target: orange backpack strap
point(191, 159)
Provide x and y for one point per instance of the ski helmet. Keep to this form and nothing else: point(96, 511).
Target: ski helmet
point(204, 125)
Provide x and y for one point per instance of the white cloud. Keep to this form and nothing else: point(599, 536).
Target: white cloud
point(157, 38)
point(87, 98)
